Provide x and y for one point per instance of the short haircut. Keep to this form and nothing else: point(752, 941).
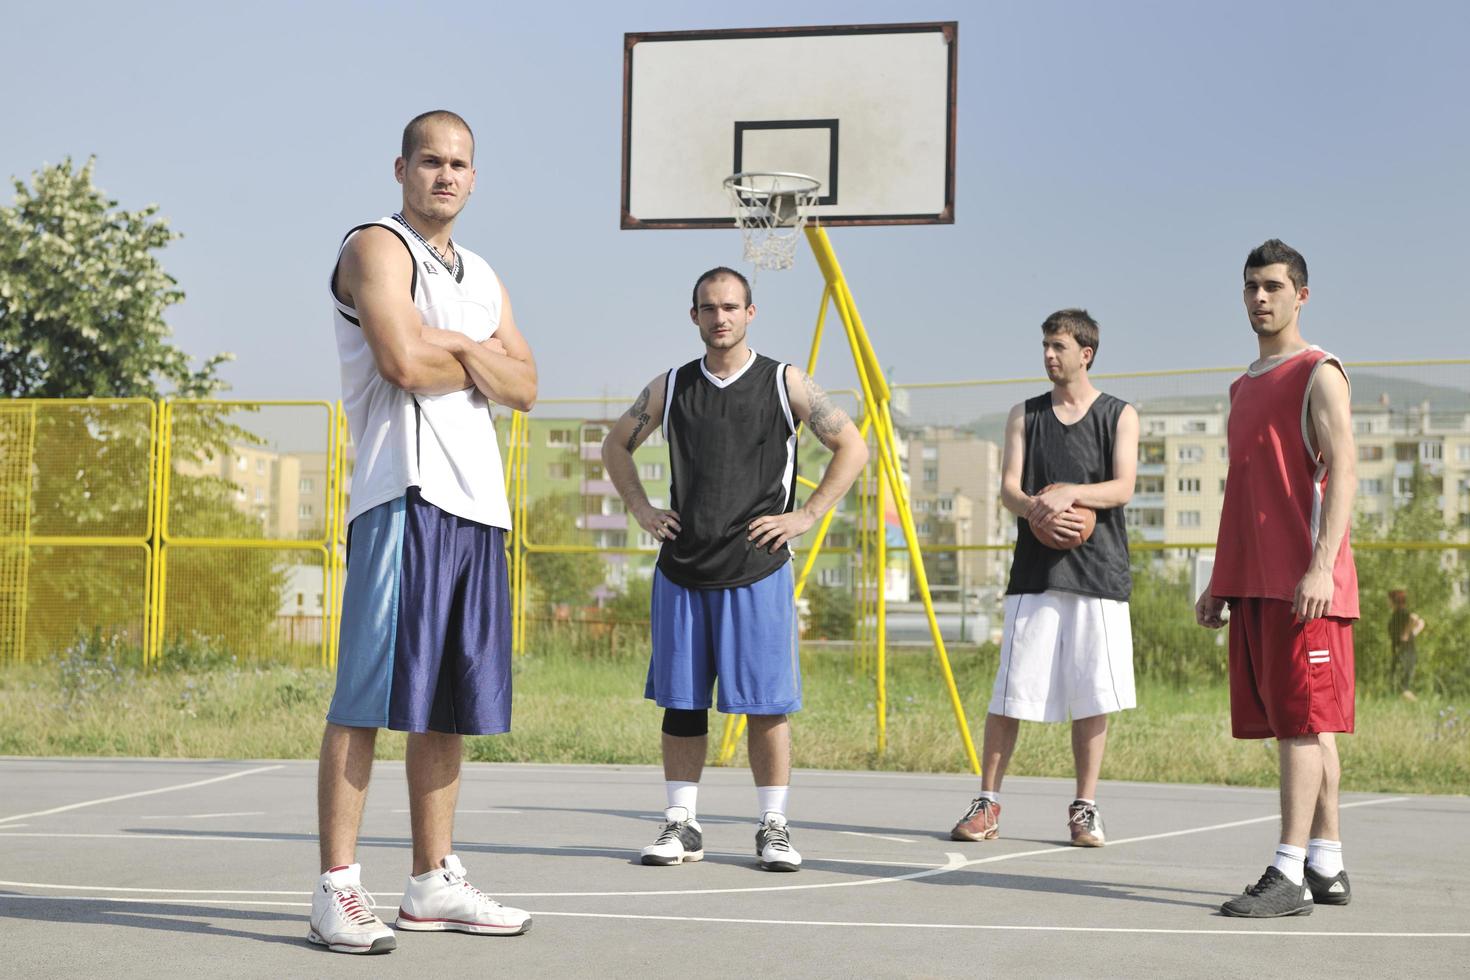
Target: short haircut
point(1274, 250)
point(715, 273)
point(1078, 324)
point(413, 133)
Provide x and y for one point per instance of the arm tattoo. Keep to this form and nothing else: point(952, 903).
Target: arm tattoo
point(639, 411)
point(825, 418)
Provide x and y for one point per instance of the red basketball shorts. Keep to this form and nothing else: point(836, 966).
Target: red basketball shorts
point(1288, 678)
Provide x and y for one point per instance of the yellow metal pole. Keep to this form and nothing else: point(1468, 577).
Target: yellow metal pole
point(24, 586)
point(875, 393)
point(880, 694)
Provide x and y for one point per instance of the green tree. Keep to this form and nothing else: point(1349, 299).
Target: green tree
point(560, 578)
point(1426, 574)
point(83, 295)
point(831, 612)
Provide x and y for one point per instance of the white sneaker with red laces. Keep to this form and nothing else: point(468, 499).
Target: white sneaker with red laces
point(441, 900)
point(342, 917)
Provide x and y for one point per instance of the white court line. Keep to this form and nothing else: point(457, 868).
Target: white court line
point(955, 861)
point(130, 796)
point(858, 833)
point(838, 924)
point(458, 812)
point(1004, 928)
point(202, 816)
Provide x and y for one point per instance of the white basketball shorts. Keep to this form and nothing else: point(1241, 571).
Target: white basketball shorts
point(1063, 655)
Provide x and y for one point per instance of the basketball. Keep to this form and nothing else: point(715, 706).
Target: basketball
point(1047, 537)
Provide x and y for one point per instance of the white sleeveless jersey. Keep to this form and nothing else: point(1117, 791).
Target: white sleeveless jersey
point(443, 444)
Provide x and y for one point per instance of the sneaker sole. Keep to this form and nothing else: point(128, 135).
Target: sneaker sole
point(779, 866)
point(383, 944)
point(1332, 898)
point(1088, 842)
point(658, 861)
point(411, 924)
point(1303, 910)
point(958, 834)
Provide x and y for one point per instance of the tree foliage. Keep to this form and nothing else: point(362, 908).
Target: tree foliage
point(83, 296)
point(1428, 575)
point(560, 578)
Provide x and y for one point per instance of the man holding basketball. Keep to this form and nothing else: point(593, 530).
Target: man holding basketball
point(1067, 647)
point(1284, 565)
point(426, 340)
point(722, 590)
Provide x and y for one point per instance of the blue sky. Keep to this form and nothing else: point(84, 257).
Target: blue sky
point(1120, 156)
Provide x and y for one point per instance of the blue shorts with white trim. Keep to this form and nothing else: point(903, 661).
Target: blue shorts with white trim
point(744, 637)
point(425, 640)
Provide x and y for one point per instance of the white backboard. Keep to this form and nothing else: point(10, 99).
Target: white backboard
point(869, 110)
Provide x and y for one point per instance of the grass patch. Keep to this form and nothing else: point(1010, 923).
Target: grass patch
point(573, 708)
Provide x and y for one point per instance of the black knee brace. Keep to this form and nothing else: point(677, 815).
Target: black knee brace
point(683, 723)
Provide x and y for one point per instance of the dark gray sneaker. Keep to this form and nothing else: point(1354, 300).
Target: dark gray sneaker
point(773, 845)
point(1329, 891)
point(678, 841)
point(1270, 898)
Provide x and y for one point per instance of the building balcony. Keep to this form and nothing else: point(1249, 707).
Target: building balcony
point(605, 522)
point(599, 488)
point(592, 452)
point(1146, 501)
point(1151, 469)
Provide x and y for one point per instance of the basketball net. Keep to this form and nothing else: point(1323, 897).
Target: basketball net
point(771, 209)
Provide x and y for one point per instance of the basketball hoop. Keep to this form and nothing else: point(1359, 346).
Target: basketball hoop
point(770, 210)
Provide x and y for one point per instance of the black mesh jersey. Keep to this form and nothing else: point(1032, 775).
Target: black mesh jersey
point(1078, 453)
point(732, 458)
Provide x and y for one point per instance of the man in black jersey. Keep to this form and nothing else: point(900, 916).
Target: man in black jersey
point(722, 591)
point(1067, 649)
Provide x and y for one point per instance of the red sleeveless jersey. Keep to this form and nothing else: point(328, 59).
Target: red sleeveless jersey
point(1275, 490)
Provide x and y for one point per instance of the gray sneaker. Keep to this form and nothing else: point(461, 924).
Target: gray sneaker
point(1329, 891)
point(1270, 898)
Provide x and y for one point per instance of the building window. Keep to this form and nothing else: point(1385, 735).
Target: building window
point(1222, 484)
point(259, 494)
point(1370, 487)
point(646, 540)
point(1404, 486)
point(239, 493)
point(1189, 484)
point(651, 471)
point(304, 511)
point(1157, 427)
point(241, 463)
point(655, 438)
point(946, 505)
point(830, 576)
point(1224, 453)
point(1187, 518)
point(1150, 452)
point(593, 471)
point(300, 600)
point(1462, 453)
point(305, 486)
point(931, 474)
point(1195, 425)
point(926, 529)
point(1370, 453)
point(318, 600)
point(559, 437)
point(558, 471)
point(930, 453)
point(593, 434)
point(260, 466)
point(1405, 452)
point(1431, 452)
point(613, 505)
point(1191, 454)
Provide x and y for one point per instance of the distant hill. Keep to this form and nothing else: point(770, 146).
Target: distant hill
point(1368, 389)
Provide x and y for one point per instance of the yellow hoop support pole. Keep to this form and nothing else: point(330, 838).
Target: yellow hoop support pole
point(880, 692)
point(875, 395)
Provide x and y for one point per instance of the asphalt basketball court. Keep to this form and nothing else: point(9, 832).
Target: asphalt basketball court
point(204, 868)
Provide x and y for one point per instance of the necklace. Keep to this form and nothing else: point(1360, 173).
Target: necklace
point(455, 268)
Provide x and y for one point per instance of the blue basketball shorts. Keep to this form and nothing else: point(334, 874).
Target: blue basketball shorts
point(425, 640)
point(744, 637)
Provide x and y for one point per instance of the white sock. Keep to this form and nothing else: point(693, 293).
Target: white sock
point(993, 795)
point(1325, 856)
point(1087, 802)
point(1289, 861)
point(681, 794)
point(770, 799)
